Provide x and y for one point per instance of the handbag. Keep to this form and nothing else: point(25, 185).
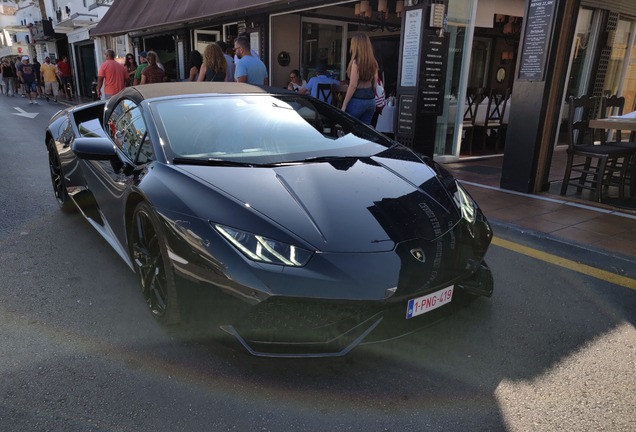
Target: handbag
point(380, 99)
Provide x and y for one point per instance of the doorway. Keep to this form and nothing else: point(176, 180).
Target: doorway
point(165, 47)
point(87, 67)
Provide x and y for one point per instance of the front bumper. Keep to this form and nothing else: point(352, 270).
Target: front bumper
point(282, 327)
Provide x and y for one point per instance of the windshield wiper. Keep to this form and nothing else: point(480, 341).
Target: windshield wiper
point(209, 162)
point(324, 159)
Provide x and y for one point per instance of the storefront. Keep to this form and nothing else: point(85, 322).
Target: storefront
point(82, 60)
point(484, 39)
point(603, 57)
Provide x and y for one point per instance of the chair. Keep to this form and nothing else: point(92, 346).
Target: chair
point(325, 93)
point(609, 167)
point(492, 121)
point(474, 98)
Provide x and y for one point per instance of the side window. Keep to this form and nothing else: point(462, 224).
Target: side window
point(119, 110)
point(128, 130)
point(146, 153)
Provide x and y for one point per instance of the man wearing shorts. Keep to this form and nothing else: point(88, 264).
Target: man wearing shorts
point(64, 68)
point(48, 73)
point(26, 72)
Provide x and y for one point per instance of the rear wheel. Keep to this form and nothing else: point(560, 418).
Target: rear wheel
point(57, 179)
point(153, 266)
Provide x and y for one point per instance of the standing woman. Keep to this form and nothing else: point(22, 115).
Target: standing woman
point(194, 65)
point(214, 66)
point(362, 70)
point(131, 68)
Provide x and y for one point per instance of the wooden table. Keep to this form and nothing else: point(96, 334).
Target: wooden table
point(621, 124)
point(626, 124)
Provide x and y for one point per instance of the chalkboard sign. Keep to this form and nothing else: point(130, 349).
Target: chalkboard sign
point(406, 115)
point(433, 73)
point(536, 39)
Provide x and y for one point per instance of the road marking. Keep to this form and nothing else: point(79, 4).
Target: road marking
point(23, 113)
point(566, 263)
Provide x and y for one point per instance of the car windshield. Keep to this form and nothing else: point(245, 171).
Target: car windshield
point(261, 130)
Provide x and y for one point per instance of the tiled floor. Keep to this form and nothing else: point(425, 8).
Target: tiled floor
point(572, 218)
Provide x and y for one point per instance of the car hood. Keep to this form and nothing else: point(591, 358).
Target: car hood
point(349, 205)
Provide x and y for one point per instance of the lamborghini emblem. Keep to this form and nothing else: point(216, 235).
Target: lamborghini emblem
point(418, 254)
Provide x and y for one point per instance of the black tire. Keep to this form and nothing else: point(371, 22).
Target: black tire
point(58, 182)
point(152, 265)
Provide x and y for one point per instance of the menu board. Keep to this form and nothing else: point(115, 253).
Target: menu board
point(536, 39)
point(406, 115)
point(411, 48)
point(433, 73)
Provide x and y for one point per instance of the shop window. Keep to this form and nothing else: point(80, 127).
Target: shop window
point(620, 73)
point(581, 55)
point(479, 62)
point(203, 38)
point(322, 43)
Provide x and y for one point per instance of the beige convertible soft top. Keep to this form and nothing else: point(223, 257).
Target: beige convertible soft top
point(149, 91)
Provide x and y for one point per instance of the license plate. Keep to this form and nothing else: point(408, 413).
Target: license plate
point(427, 303)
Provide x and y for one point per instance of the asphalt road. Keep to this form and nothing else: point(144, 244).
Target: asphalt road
point(552, 350)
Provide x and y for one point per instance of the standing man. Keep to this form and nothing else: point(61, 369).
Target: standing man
point(26, 72)
point(8, 76)
point(229, 76)
point(152, 73)
point(64, 69)
point(36, 70)
point(49, 78)
point(112, 75)
point(249, 69)
point(143, 63)
point(19, 86)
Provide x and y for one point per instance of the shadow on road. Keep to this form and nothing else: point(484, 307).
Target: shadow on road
point(94, 354)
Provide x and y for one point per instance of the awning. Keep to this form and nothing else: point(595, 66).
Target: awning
point(126, 16)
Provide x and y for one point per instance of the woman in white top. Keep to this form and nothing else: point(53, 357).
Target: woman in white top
point(295, 81)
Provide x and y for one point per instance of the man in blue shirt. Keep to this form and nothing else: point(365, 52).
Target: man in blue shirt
point(312, 85)
point(26, 72)
point(248, 69)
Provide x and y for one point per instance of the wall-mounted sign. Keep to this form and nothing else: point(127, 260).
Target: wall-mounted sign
point(412, 32)
point(406, 115)
point(438, 10)
point(284, 58)
point(432, 73)
point(536, 39)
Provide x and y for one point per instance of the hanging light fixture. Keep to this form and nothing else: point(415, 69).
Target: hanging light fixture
point(378, 21)
point(365, 8)
point(399, 7)
point(383, 7)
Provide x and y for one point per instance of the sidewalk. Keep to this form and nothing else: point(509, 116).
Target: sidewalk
point(571, 220)
point(77, 100)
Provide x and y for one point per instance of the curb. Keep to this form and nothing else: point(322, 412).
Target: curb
point(590, 255)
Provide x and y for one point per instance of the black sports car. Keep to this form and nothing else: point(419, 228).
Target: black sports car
point(314, 223)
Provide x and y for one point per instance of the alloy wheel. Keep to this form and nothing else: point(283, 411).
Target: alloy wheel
point(148, 259)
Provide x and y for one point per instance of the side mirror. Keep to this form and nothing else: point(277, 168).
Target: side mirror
point(94, 148)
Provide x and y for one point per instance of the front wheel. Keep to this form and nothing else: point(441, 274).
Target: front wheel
point(152, 265)
point(57, 179)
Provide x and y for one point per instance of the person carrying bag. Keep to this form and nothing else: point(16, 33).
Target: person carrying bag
point(380, 101)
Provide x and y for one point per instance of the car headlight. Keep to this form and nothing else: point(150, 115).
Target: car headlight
point(465, 203)
point(262, 249)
